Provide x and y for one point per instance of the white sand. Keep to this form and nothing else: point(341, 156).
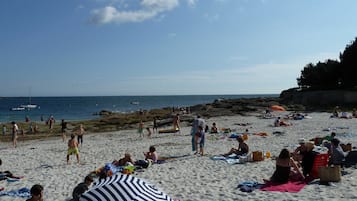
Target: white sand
point(188, 178)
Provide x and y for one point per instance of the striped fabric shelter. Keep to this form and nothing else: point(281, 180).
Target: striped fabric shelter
point(123, 188)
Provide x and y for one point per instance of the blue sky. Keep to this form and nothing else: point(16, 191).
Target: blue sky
point(166, 47)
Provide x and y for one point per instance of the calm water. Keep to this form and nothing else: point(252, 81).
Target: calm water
point(83, 108)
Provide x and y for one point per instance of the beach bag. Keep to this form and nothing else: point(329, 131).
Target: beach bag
point(330, 173)
point(258, 156)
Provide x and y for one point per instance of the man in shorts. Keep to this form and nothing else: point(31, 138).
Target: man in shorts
point(72, 148)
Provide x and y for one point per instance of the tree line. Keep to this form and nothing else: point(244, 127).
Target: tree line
point(332, 74)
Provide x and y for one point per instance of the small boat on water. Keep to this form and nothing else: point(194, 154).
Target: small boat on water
point(135, 103)
point(17, 108)
point(29, 106)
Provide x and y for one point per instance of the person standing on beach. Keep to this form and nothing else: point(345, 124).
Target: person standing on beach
point(197, 122)
point(15, 129)
point(141, 129)
point(155, 126)
point(63, 129)
point(176, 122)
point(4, 129)
point(80, 134)
point(72, 148)
point(51, 122)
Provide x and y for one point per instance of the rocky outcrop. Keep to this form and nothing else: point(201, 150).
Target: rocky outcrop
point(320, 99)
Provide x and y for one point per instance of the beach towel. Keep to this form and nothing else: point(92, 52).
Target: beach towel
point(231, 159)
point(291, 186)
point(22, 192)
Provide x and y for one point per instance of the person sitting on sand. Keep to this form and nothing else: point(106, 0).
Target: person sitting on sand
point(299, 151)
point(308, 157)
point(82, 188)
point(72, 148)
point(214, 128)
point(243, 148)
point(124, 161)
point(278, 122)
point(337, 155)
point(36, 193)
point(151, 154)
point(283, 171)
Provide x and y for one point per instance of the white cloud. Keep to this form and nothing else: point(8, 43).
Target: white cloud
point(192, 3)
point(149, 9)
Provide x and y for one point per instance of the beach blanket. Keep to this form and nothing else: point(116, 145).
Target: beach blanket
point(231, 159)
point(22, 192)
point(291, 186)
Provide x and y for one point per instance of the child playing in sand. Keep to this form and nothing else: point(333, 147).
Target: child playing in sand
point(152, 155)
point(72, 148)
point(200, 139)
point(36, 193)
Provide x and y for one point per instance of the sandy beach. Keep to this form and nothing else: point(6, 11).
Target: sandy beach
point(186, 178)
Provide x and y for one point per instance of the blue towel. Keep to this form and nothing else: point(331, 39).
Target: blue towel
point(22, 192)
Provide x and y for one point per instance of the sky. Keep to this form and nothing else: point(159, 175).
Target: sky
point(166, 47)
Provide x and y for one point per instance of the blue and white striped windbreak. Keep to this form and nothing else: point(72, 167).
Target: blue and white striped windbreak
point(123, 188)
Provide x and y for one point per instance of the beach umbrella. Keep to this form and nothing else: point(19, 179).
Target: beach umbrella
point(277, 108)
point(123, 187)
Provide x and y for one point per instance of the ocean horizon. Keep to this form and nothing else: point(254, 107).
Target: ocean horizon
point(73, 108)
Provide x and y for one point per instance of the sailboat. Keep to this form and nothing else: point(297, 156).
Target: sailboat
point(28, 106)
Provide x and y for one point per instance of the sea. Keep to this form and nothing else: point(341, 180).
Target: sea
point(87, 107)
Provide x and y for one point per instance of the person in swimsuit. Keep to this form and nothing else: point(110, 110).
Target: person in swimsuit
point(152, 154)
point(80, 134)
point(63, 129)
point(72, 148)
point(243, 148)
point(15, 129)
point(283, 167)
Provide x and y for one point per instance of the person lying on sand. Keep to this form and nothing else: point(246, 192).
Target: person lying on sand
point(124, 161)
point(243, 148)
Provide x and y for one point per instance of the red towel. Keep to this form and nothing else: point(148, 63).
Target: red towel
point(291, 186)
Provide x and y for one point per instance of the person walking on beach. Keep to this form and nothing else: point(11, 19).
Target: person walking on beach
point(72, 148)
point(80, 134)
point(15, 129)
point(63, 129)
